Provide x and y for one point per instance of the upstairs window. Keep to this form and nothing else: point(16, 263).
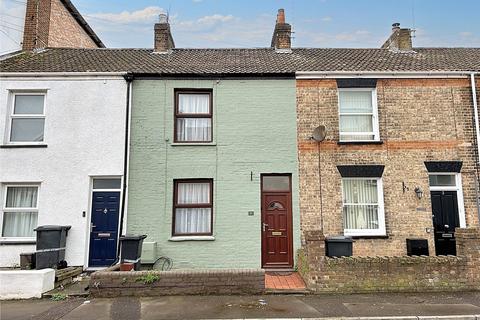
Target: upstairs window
point(193, 116)
point(20, 211)
point(358, 114)
point(27, 119)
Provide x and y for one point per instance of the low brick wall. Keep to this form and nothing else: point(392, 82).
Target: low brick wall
point(392, 274)
point(111, 283)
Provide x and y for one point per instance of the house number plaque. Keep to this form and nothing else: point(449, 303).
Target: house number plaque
point(276, 233)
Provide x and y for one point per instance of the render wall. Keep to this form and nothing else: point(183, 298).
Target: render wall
point(254, 132)
point(84, 137)
point(420, 120)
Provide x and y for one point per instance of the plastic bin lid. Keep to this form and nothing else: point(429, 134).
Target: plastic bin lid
point(133, 237)
point(339, 239)
point(52, 228)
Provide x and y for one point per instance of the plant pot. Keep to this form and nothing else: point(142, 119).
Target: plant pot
point(126, 266)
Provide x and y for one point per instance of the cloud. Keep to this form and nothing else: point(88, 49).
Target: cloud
point(465, 34)
point(215, 19)
point(326, 19)
point(147, 14)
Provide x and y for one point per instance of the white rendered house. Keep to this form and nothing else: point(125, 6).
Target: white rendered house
point(62, 157)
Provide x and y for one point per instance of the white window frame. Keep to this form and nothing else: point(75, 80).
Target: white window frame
point(374, 115)
point(12, 115)
point(458, 188)
point(381, 231)
point(5, 209)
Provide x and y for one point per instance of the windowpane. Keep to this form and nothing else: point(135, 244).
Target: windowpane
point(28, 104)
point(360, 217)
point(193, 193)
point(362, 191)
point(355, 102)
point(194, 129)
point(356, 123)
point(194, 103)
point(19, 224)
point(276, 183)
point(25, 130)
point(193, 220)
point(107, 184)
point(21, 197)
point(442, 180)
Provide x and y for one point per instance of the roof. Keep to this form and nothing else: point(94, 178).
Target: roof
point(81, 21)
point(243, 61)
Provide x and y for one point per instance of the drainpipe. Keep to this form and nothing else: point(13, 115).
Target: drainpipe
point(477, 131)
point(129, 79)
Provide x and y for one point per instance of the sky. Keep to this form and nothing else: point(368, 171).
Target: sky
point(249, 23)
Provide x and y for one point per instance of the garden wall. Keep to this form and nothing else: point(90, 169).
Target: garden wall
point(112, 283)
point(392, 274)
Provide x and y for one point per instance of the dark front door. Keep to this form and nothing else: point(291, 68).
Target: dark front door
point(277, 244)
point(104, 228)
point(445, 220)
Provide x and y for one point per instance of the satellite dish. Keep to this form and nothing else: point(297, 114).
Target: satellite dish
point(319, 133)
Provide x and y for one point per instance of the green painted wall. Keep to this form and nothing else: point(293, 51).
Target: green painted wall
point(254, 131)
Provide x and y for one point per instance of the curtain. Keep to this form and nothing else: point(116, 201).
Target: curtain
point(194, 103)
point(19, 224)
point(194, 129)
point(360, 204)
point(193, 220)
point(22, 223)
point(352, 103)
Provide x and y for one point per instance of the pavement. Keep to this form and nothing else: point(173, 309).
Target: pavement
point(459, 306)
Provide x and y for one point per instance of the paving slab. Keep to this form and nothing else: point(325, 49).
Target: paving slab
point(394, 309)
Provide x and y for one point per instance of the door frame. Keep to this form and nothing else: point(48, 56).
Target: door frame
point(457, 188)
point(89, 215)
point(289, 221)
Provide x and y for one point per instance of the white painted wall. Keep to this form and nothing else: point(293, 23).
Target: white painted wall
point(25, 284)
point(84, 131)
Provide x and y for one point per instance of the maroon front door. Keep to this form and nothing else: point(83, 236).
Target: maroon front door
point(277, 244)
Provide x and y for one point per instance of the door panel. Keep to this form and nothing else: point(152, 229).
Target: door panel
point(104, 228)
point(445, 220)
point(277, 244)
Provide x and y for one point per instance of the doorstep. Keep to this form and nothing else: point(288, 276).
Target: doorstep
point(284, 282)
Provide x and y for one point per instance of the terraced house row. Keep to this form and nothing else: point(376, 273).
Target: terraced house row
point(228, 158)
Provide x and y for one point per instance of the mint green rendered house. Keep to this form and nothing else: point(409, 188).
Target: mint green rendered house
point(199, 150)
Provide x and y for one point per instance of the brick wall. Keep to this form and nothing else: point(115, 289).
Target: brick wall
point(65, 30)
point(185, 282)
point(419, 120)
point(392, 274)
point(49, 24)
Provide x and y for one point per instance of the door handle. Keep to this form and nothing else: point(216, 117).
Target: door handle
point(264, 227)
point(92, 226)
point(447, 226)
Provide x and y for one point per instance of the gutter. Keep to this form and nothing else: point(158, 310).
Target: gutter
point(129, 79)
point(60, 74)
point(379, 74)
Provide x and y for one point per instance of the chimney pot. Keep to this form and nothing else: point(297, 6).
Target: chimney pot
point(162, 18)
point(395, 26)
point(281, 16)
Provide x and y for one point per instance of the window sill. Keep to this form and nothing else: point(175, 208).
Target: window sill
point(358, 142)
point(13, 146)
point(6, 241)
point(369, 237)
point(177, 144)
point(191, 238)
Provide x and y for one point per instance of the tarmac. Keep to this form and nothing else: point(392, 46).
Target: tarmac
point(401, 306)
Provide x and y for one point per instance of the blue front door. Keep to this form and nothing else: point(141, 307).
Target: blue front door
point(104, 228)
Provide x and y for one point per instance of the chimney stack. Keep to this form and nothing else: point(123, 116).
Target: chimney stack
point(163, 37)
point(281, 39)
point(399, 40)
